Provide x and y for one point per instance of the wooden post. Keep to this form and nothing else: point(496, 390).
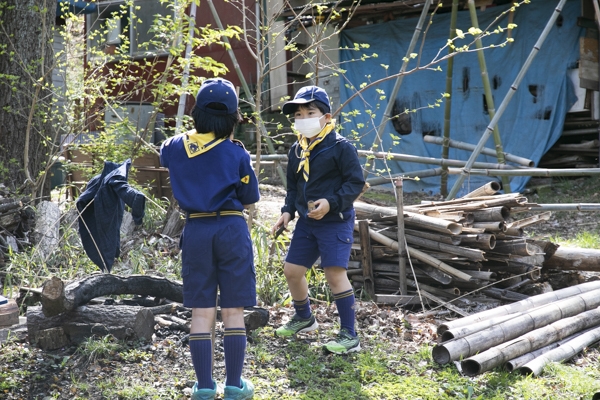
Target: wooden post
point(401, 241)
point(367, 265)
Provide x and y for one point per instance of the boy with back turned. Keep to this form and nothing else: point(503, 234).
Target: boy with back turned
point(213, 181)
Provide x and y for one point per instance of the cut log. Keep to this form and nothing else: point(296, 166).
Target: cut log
point(58, 297)
point(122, 322)
point(573, 258)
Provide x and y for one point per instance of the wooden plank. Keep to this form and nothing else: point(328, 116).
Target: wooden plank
point(367, 266)
point(588, 63)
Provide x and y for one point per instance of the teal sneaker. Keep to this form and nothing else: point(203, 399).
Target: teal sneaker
point(297, 325)
point(204, 394)
point(345, 343)
point(246, 392)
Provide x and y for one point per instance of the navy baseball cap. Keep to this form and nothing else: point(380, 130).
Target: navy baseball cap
point(217, 90)
point(306, 95)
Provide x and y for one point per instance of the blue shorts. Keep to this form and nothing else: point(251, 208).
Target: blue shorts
point(217, 252)
point(330, 240)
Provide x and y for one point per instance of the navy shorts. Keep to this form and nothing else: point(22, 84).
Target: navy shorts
point(217, 252)
point(330, 240)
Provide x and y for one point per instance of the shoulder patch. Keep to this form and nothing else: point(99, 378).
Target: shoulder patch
point(246, 179)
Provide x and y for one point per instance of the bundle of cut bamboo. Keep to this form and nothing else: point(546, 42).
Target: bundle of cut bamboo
point(471, 244)
point(525, 335)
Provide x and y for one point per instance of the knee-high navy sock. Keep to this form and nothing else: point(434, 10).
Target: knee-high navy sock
point(201, 349)
point(234, 343)
point(344, 302)
point(302, 308)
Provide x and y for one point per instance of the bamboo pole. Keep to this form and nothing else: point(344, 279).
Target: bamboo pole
point(466, 252)
point(434, 224)
point(484, 241)
point(530, 303)
point(382, 180)
point(401, 237)
point(487, 90)
point(392, 269)
point(431, 160)
point(564, 352)
point(517, 362)
point(469, 345)
point(392, 97)
point(530, 341)
point(368, 211)
point(560, 207)
point(498, 213)
point(454, 240)
point(528, 172)
point(448, 102)
point(487, 151)
point(419, 255)
point(513, 88)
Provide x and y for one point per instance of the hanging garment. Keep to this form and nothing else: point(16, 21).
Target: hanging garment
point(101, 208)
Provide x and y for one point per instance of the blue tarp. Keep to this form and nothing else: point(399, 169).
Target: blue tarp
point(74, 6)
point(530, 125)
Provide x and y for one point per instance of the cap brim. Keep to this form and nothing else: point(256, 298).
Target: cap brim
point(289, 108)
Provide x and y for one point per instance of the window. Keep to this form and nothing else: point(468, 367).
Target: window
point(117, 24)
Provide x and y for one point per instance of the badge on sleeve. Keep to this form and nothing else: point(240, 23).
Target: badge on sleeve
point(246, 179)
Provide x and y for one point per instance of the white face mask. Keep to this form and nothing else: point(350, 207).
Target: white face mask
point(308, 127)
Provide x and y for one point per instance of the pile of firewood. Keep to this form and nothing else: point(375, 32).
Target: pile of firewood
point(472, 244)
point(16, 221)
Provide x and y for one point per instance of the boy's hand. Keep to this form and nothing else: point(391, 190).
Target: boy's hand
point(281, 224)
point(321, 209)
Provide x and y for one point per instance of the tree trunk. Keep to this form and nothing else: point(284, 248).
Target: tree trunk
point(58, 297)
point(26, 59)
point(573, 258)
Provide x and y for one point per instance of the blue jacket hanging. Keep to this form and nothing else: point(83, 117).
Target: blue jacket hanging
point(101, 208)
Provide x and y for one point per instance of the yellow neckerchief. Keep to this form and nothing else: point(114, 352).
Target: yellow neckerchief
point(307, 146)
point(198, 143)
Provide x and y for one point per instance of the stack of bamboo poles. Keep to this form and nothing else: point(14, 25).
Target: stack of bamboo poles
point(523, 336)
point(451, 247)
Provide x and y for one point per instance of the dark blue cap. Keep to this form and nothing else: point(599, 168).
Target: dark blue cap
point(306, 95)
point(217, 90)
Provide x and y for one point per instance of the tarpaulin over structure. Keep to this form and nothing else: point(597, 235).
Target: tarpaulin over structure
point(530, 125)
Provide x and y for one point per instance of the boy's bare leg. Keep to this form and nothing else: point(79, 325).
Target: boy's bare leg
point(202, 319)
point(337, 278)
point(234, 344)
point(295, 276)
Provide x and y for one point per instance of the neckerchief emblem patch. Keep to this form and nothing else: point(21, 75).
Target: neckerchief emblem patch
point(198, 143)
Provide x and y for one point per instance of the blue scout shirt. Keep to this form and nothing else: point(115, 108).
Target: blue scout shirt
point(221, 178)
point(335, 174)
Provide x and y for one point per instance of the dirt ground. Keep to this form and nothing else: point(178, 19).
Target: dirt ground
point(165, 362)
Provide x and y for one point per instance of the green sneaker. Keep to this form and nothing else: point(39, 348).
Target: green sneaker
point(246, 392)
point(345, 343)
point(297, 325)
point(204, 394)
